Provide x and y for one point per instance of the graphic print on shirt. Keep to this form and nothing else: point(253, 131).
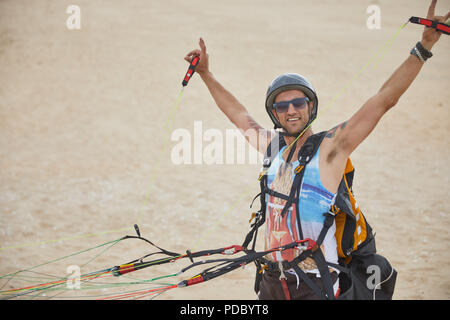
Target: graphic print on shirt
point(314, 201)
point(283, 230)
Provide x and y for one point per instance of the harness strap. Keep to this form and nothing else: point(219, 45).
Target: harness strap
point(285, 288)
point(329, 220)
point(309, 282)
point(322, 265)
point(275, 193)
point(268, 265)
point(260, 219)
point(324, 273)
point(319, 259)
point(294, 191)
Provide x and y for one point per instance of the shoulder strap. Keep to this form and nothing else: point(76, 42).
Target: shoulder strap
point(310, 147)
point(273, 148)
point(260, 217)
point(307, 151)
point(305, 154)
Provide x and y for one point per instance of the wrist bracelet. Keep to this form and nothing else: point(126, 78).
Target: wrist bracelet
point(420, 52)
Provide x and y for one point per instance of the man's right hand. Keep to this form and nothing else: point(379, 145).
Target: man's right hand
point(256, 135)
point(203, 65)
point(430, 35)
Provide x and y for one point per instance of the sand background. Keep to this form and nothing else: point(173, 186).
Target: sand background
point(85, 117)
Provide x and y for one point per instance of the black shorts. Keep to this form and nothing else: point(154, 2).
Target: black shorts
point(271, 287)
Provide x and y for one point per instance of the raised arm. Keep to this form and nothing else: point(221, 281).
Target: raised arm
point(350, 134)
point(256, 135)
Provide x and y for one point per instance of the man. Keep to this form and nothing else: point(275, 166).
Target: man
point(291, 103)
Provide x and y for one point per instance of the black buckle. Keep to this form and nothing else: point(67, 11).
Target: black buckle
point(303, 160)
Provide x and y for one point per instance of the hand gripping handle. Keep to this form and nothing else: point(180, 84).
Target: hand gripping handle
point(190, 70)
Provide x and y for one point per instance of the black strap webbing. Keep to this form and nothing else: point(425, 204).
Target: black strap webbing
point(329, 219)
point(309, 282)
point(324, 273)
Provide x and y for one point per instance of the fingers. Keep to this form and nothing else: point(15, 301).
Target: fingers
point(446, 17)
point(191, 55)
point(193, 52)
point(430, 14)
point(196, 52)
point(202, 45)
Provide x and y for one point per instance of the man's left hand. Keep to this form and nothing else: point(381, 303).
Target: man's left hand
point(430, 35)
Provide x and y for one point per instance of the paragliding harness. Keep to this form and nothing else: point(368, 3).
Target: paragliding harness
point(363, 273)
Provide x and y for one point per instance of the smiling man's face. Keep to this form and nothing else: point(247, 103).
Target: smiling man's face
point(294, 119)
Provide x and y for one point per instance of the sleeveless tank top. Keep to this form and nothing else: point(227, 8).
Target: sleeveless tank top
point(313, 202)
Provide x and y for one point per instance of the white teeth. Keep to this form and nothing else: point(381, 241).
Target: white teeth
point(293, 119)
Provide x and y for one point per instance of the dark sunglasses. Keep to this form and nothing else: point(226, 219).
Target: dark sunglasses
point(298, 103)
